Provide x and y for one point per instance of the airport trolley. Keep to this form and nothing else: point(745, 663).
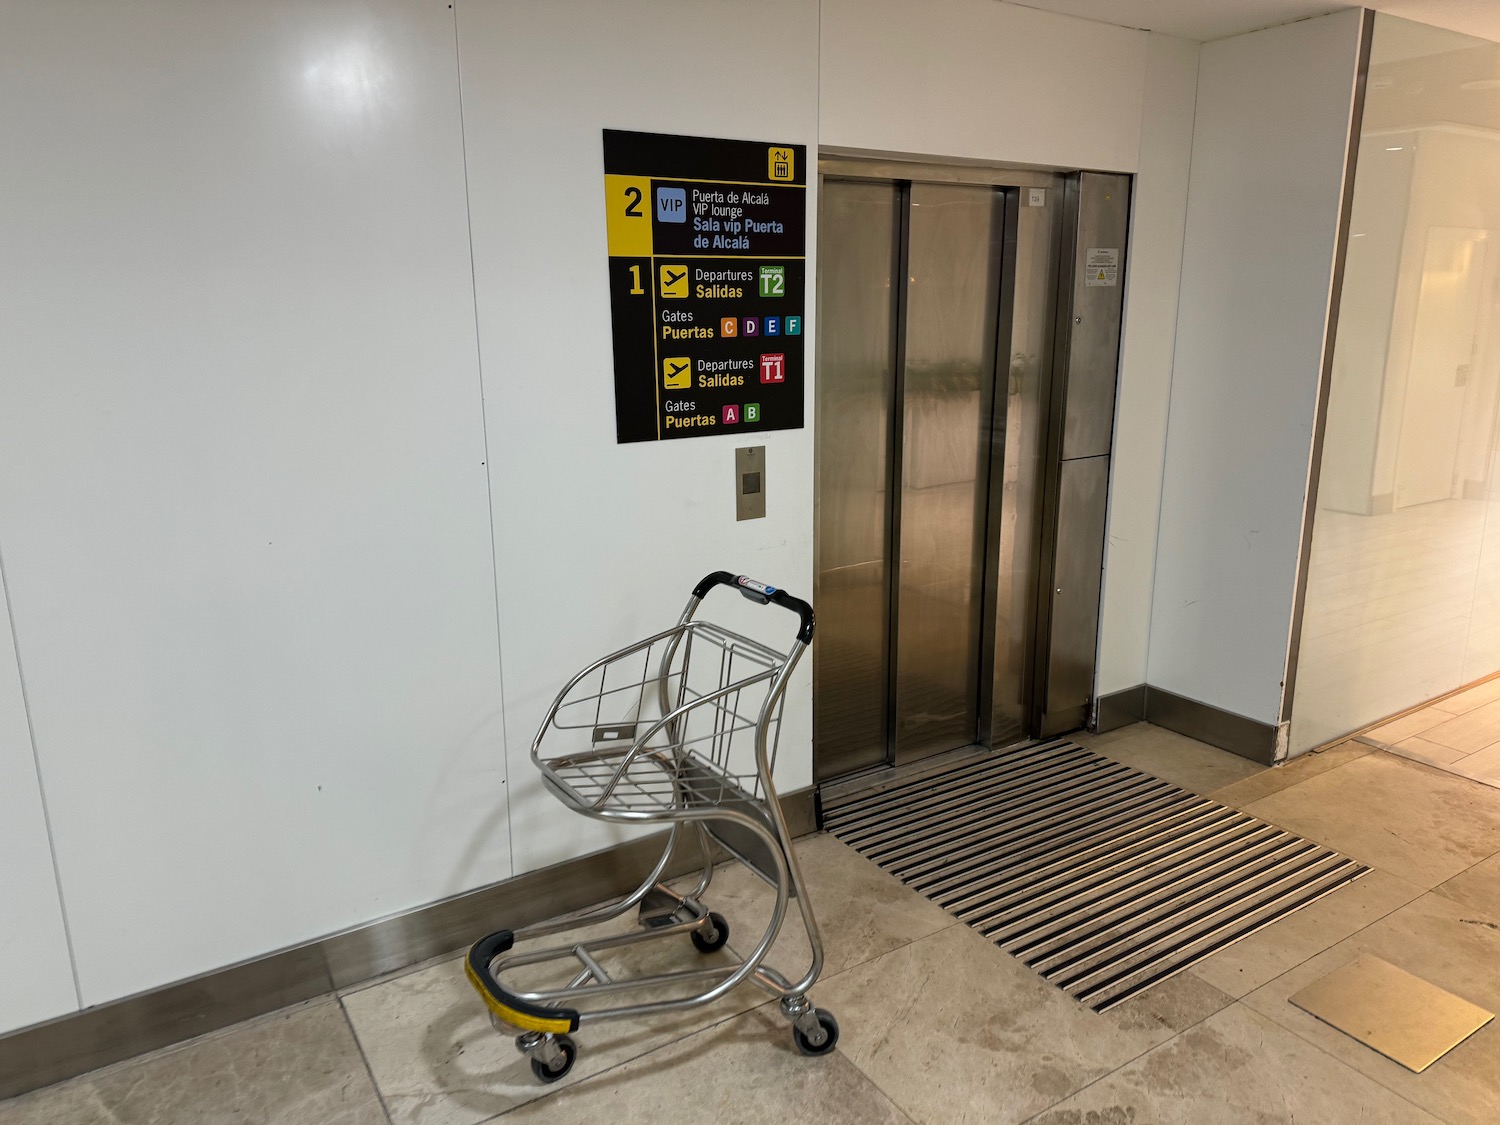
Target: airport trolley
point(681, 730)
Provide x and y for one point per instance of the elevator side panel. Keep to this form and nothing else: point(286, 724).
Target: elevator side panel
point(1098, 309)
point(1018, 473)
point(858, 284)
point(1096, 221)
point(953, 287)
point(1083, 494)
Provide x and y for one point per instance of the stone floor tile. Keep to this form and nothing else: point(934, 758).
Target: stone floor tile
point(1286, 943)
point(952, 1029)
point(861, 911)
point(1478, 887)
point(1398, 730)
point(1413, 821)
point(1483, 765)
point(1273, 779)
point(1167, 1008)
point(438, 1061)
point(297, 1067)
point(1469, 732)
point(1235, 1068)
point(743, 1071)
point(1476, 696)
point(1418, 749)
point(1450, 944)
point(1181, 760)
point(1097, 742)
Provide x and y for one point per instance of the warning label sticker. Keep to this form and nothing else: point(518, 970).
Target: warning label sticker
point(1101, 265)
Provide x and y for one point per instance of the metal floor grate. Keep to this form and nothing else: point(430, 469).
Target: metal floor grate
point(1102, 879)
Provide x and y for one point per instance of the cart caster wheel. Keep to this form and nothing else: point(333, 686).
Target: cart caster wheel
point(567, 1054)
point(715, 937)
point(830, 1029)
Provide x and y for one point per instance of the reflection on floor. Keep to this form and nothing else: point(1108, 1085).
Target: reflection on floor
point(1400, 608)
point(938, 1025)
point(1459, 734)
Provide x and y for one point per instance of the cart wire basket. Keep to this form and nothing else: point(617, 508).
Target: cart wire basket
point(681, 730)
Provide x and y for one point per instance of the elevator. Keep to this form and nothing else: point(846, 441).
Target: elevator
point(968, 338)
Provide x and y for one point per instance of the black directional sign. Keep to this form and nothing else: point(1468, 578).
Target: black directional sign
point(707, 252)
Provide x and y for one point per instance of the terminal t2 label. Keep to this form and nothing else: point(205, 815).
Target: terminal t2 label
point(707, 256)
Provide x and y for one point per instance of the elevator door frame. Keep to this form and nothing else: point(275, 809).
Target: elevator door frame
point(1009, 688)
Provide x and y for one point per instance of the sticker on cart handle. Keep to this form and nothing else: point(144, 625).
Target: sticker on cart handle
point(758, 587)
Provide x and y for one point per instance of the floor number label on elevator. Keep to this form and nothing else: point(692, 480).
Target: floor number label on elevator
point(707, 253)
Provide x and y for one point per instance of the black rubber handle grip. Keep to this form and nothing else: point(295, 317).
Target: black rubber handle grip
point(760, 592)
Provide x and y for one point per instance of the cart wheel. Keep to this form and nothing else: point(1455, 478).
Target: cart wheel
point(569, 1051)
point(715, 937)
point(830, 1028)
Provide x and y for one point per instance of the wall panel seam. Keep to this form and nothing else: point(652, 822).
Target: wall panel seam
point(36, 761)
point(484, 426)
point(1166, 445)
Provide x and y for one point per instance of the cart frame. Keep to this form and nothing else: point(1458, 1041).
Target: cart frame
point(660, 764)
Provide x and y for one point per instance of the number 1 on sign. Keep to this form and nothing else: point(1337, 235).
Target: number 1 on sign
point(635, 281)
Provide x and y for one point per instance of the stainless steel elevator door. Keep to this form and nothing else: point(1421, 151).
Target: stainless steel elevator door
point(858, 275)
point(954, 242)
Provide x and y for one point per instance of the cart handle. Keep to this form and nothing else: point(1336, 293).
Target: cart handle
point(762, 593)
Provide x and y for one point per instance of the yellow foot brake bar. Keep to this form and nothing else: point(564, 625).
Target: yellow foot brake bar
point(513, 1010)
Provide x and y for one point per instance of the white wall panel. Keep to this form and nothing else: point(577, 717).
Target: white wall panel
point(600, 544)
point(980, 79)
point(36, 976)
point(1267, 169)
point(1158, 216)
point(242, 488)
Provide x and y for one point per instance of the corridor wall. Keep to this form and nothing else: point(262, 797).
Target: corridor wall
point(309, 497)
point(1257, 268)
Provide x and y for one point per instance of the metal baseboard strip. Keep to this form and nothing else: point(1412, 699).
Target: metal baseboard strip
point(49, 1052)
point(1103, 880)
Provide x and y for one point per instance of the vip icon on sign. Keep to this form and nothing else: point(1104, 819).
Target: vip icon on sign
point(671, 205)
point(752, 326)
point(752, 412)
point(674, 281)
point(773, 326)
point(772, 281)
point(794, 326)
point(782, 162)
point(677, 374)
point(732, 415)
point(729, 327)
point(773, 368)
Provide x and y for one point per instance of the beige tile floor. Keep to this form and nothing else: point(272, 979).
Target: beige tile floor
point(938, 1025)
point(1459, 734)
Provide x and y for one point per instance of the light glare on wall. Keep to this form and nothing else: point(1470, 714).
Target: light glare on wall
point(352, 80)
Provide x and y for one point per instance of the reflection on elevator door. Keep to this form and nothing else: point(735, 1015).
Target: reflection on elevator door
point(858, 287)
point(947, 393)
point(968, 348)
point(906, 396)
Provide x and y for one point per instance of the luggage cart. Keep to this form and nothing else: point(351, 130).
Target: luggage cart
point(679, 729)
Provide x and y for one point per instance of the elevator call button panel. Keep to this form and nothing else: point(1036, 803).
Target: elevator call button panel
point(707, 282)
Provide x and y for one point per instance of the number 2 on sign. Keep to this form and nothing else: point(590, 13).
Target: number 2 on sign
point(635, 281)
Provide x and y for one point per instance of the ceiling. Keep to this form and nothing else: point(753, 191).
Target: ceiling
point(1214, 19)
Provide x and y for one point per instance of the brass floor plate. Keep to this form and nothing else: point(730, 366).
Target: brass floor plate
point(1403, 1017)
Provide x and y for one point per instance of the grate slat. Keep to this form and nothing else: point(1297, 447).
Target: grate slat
point(1102, 879)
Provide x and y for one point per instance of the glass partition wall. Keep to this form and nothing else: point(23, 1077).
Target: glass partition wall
point(1403, 585)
